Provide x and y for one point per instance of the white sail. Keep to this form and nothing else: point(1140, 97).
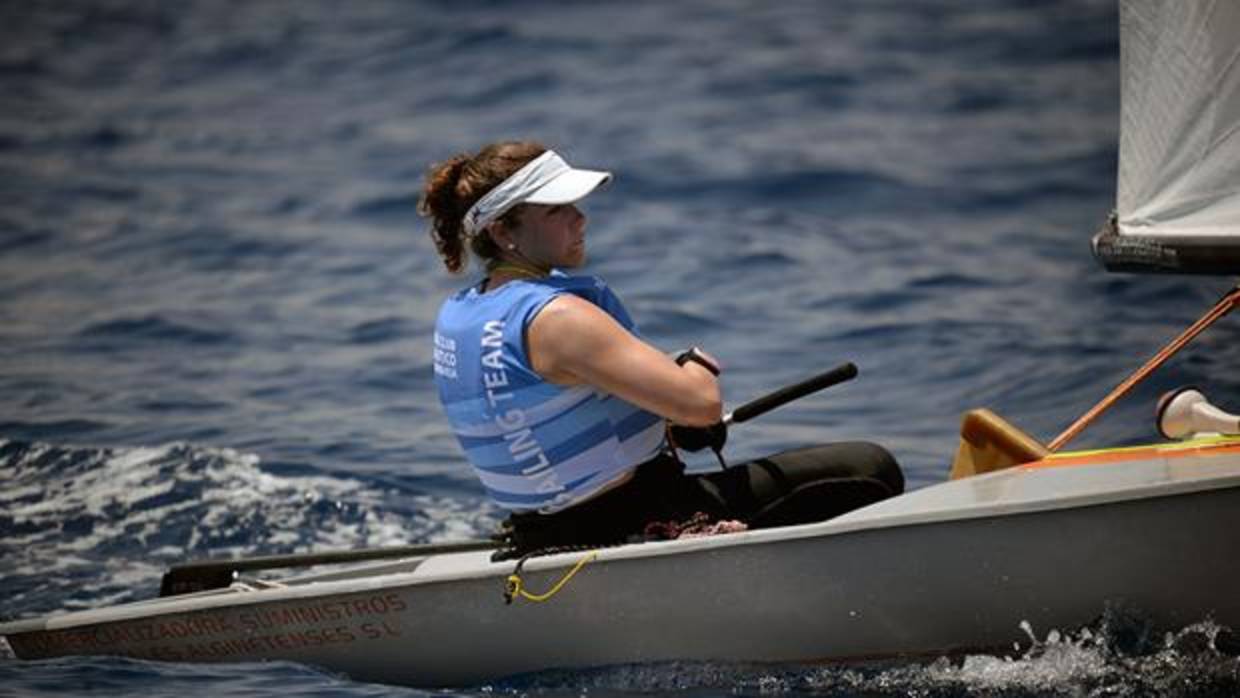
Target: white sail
point(1178, 202)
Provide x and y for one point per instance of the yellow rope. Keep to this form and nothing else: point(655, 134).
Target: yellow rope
point(515, 585)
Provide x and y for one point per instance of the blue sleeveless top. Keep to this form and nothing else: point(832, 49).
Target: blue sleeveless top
point(535, 445)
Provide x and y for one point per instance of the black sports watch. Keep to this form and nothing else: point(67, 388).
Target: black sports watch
point(696, 356)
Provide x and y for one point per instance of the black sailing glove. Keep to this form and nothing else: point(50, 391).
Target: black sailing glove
point(697, 438)
point(694, 439)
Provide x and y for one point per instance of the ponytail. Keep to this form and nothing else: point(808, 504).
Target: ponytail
point(442, 205)
point(453, 186)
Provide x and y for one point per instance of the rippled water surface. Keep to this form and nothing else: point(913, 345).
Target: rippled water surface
point(216, 295)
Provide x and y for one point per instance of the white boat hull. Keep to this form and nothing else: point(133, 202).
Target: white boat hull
point(951, 568)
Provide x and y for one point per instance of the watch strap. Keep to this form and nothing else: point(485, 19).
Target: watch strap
point(695, 355)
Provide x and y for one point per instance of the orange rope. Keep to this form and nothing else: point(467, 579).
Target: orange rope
point(1223, 307)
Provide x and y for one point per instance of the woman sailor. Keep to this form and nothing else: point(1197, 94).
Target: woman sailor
point(560, 405)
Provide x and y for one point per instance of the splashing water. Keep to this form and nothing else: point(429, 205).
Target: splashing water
point(1120, 655)
point(86, 527)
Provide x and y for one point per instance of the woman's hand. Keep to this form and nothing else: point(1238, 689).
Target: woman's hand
point(572, 341)
point(694, 439)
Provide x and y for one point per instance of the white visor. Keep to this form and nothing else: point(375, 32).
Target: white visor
point(546, 179)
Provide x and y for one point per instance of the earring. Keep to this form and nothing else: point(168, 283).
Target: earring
point(512, 245)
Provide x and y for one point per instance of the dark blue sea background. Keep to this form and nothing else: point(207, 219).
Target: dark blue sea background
point(216, 295)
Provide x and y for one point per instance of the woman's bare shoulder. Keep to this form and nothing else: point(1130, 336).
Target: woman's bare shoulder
point(569, 316)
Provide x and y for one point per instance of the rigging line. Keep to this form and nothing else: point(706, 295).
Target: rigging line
point(514, 586)
point(1224, 306)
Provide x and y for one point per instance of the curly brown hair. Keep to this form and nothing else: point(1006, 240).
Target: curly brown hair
point(453, 186)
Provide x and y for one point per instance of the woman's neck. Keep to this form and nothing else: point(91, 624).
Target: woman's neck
point(506, 270)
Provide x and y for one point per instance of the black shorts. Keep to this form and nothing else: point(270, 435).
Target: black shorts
point(798, 486)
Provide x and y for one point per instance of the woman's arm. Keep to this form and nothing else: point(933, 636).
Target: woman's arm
point(572, 341)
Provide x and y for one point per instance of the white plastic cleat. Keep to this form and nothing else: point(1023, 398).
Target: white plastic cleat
point(1186, 413)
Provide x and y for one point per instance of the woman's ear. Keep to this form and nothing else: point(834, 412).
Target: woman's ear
point(501, 235)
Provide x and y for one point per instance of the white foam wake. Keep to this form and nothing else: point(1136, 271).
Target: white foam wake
point(98, 526)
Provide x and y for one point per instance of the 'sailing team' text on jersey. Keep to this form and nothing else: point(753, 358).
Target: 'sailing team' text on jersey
point(535, 445)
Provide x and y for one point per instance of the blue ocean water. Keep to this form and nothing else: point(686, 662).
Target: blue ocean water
point(216, 295)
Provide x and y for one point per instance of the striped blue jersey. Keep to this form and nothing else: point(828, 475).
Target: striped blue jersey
point(535, 445)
